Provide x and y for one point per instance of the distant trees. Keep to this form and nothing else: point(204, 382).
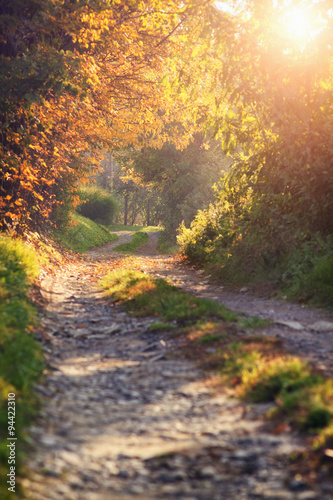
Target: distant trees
point(183, 179)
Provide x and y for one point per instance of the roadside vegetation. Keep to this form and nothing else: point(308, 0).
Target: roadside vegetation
point(82, 234)
point(146, 229)
point(147, 296)
point(137, 240)
point(261, 118)
point(242, 242)
point(167, 245)
point(225, 344)
point(97, 204)
point(21, 359)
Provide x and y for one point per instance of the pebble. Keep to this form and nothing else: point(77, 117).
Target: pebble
point(108, 407)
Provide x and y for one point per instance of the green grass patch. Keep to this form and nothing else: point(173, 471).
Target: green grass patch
point(252, 322)
point(262, 372)
point(21, 359)
point(84, 234)
point(146, 229)
point(210, 337)
point(137, 240)
point(159, 327)
point(146, 296)
point(259, 370)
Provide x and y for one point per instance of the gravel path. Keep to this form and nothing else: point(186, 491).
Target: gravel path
point(306, 332)
point(124, 419)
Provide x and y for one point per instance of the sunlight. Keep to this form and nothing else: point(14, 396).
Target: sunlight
point(300, 24)
point(224, 6)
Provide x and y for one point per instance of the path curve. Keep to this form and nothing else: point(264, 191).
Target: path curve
point(306, 331)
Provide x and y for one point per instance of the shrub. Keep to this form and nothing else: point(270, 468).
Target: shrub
point(244, 238)
point(97, 205)
point(21, 359)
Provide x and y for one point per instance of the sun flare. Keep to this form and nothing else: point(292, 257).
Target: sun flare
point(299, 24)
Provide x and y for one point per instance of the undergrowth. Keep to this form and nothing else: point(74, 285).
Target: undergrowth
point(241, 241)
point(83, 234)
point(261, 373)
point(21, 360)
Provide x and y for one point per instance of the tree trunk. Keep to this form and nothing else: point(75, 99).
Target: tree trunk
point(126, 209)
point(148, 212)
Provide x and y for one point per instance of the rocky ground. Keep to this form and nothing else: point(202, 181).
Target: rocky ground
point(306, 332)
point(124, 419)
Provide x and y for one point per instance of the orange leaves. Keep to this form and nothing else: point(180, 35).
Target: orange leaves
point(99, 64)
point(36, 147)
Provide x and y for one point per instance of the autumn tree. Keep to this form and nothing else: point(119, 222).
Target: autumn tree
point(276, 106)
point(77, 77)
point(273, 114)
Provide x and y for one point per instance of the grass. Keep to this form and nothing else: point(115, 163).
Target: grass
point(255, 366)
point(21, 359)
point(147, 296)
point(137, 240)
point(252, 322)
point(147, 229)
point(158, 326)
point(259, 370)
point(84, 234)
point(303, 397)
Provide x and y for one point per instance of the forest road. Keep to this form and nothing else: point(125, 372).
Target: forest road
point(121, 419)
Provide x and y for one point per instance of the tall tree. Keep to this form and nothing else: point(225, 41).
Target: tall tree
point(76, 77)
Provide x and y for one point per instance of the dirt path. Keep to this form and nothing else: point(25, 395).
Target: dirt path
point(306, 332)
point(124, 420)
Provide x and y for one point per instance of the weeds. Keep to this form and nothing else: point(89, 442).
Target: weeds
point(261, 373)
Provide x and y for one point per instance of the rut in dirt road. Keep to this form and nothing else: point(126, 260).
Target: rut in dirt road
point(125, 419)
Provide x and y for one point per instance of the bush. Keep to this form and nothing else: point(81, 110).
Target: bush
point(243, 238)
point(197, 241)
point(97, 205)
